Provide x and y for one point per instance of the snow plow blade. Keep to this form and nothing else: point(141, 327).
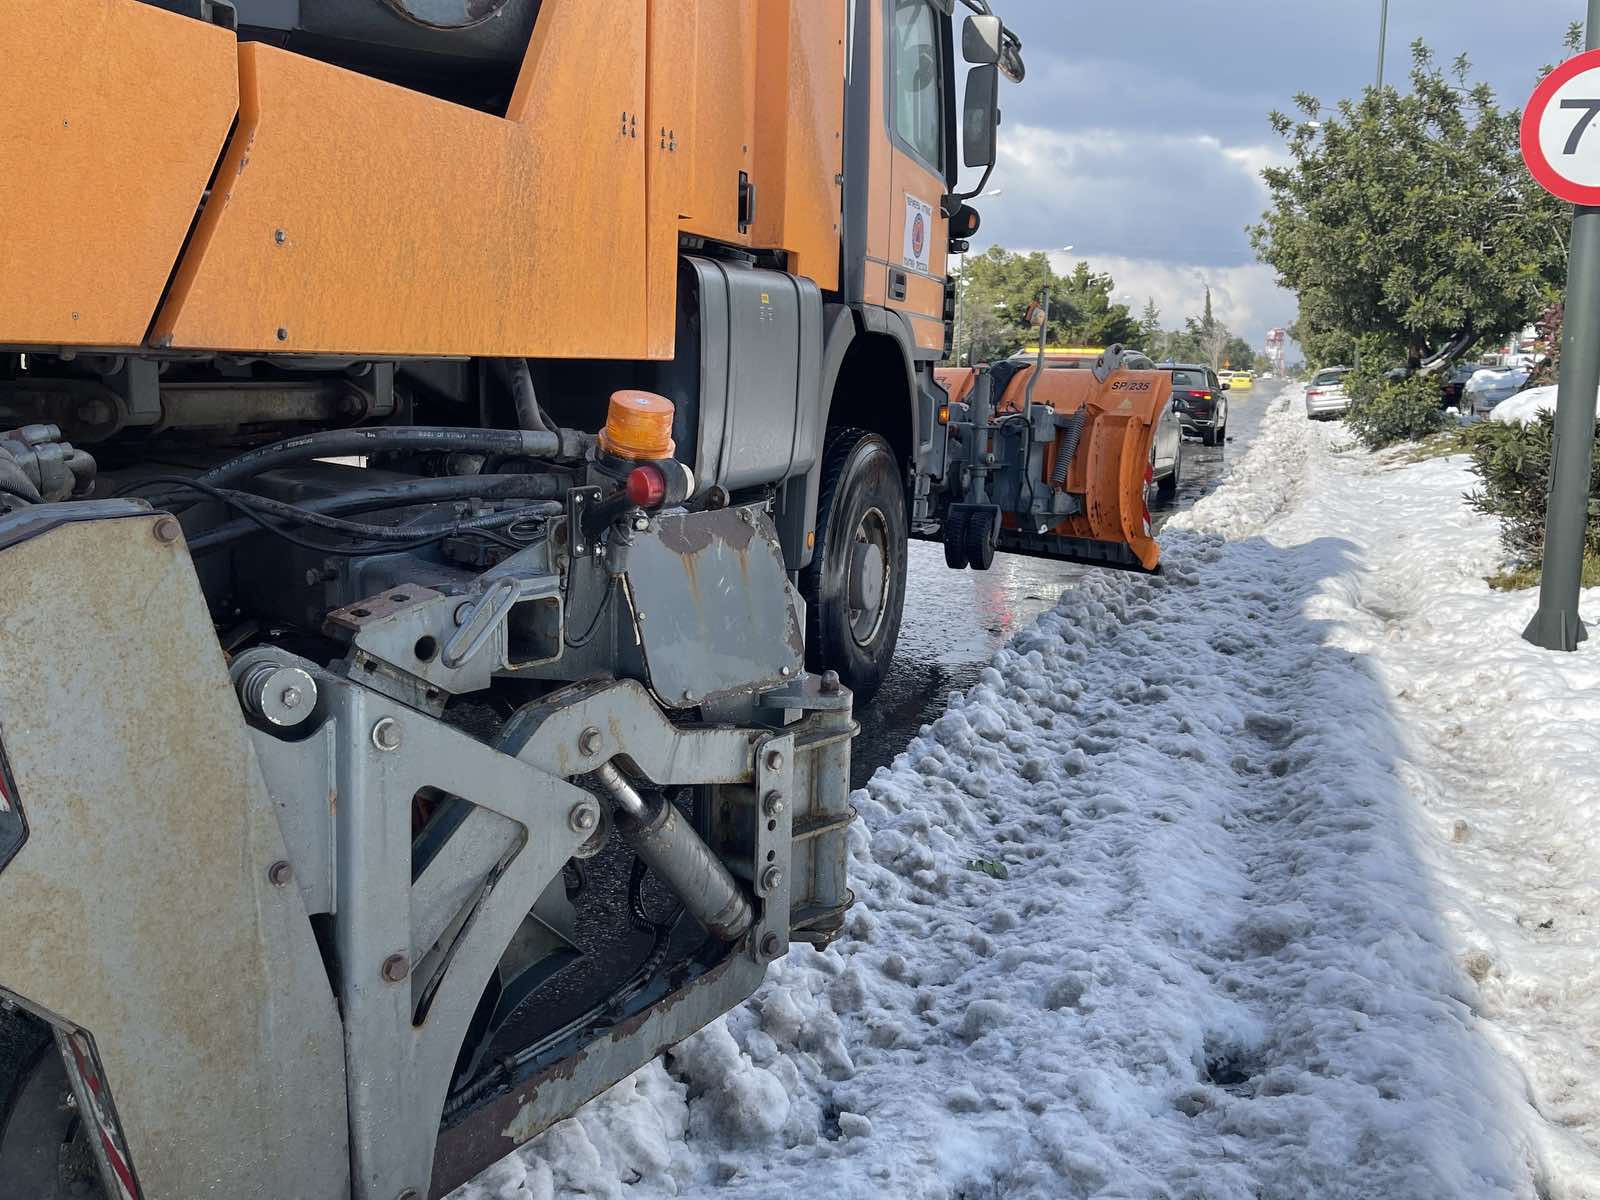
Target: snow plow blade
point(1070, 469)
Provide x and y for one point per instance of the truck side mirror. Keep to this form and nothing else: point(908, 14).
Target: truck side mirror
point(980, 40)
point(980, 116)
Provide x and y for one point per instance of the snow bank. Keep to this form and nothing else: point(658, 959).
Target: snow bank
point(1298, 898)
point(1526, 406)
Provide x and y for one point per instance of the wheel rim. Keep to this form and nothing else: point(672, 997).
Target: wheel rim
point(867, 577)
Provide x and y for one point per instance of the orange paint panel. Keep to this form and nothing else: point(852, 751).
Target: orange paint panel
point(721, 127)
point(929, 332)
point(799, 135)
point(112, 115)
point(912, 179)
point(669, 111)
point(416, 227)
point(924, 304)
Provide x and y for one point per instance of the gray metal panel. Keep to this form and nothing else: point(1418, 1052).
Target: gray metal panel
point(304, 793)
point(140, 907)
point(761, 374)
point(797, 508)
point(399, 1071)
point(716, 613)
point(714, 342)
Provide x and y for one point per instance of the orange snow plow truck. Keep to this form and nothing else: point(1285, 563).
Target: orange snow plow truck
point(457, 459)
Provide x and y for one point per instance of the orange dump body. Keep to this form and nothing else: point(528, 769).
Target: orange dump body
point(1111, 465)
point(171, 186)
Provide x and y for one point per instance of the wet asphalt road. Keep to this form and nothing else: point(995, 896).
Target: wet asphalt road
point(955, 620)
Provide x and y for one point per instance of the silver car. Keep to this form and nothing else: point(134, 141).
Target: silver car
point(1325, 394)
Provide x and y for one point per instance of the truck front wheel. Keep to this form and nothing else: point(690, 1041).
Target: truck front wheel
point(855, 586)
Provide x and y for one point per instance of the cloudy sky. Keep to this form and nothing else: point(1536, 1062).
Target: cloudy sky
point(1141, 130)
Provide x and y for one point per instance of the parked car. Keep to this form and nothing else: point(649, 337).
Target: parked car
point(1198, 395)
point(1455, 382)
point(1166, 450)
point(1489, 386)
point(1325, 395)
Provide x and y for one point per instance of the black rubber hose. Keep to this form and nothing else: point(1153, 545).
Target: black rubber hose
point(519, 380)
point(400, 495)
point(293, 514)
point(259, 508)
point(334, 443)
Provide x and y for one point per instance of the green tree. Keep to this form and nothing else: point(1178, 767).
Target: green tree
point(996, 287)
point(1409, 217)
point(1238, 354)
point(1082, 314)
point(1150, 327)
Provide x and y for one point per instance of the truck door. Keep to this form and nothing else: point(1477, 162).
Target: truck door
point(919, 86)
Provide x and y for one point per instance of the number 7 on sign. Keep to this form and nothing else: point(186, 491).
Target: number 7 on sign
point(1590, 109)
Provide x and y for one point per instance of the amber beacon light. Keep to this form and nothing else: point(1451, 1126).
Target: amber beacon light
point(638, 426)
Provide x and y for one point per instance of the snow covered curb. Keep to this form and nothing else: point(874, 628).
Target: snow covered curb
point(1279, 834)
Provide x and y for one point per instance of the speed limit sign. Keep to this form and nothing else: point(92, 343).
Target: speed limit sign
point(1560, 133)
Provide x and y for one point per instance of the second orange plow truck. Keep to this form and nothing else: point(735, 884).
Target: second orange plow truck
point(457, 459)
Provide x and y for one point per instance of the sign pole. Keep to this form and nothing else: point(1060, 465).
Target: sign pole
point(1556, 625)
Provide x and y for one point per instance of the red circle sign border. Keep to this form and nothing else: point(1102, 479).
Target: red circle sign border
point(1545, 175)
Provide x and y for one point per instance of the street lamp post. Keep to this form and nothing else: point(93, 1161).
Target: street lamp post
point(1383, 38)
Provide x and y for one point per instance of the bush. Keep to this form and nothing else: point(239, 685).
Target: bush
point(1403, 411)
point(1513, 461)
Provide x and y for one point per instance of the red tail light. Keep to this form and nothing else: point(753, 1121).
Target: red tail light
point(647, 486)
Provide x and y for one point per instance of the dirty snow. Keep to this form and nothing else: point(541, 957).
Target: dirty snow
point(1300, 860)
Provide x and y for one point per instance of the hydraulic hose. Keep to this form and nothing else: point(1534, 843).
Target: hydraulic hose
point(402, 494)
point(1067, 446)
point(517, 377)
point(340, 442)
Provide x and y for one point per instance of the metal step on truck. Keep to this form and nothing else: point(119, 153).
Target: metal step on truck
point(457, 459)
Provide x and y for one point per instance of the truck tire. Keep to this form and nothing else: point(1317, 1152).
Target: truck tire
point(855, 587)
point(44, 1153)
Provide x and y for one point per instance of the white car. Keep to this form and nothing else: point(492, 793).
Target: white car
point(1490, 386)
point(1325, 394)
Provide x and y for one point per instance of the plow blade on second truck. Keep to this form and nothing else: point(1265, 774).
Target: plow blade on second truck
point(1052, 463)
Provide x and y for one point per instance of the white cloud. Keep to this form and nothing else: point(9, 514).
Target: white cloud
point(1164, 214)
point(1179, 197)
